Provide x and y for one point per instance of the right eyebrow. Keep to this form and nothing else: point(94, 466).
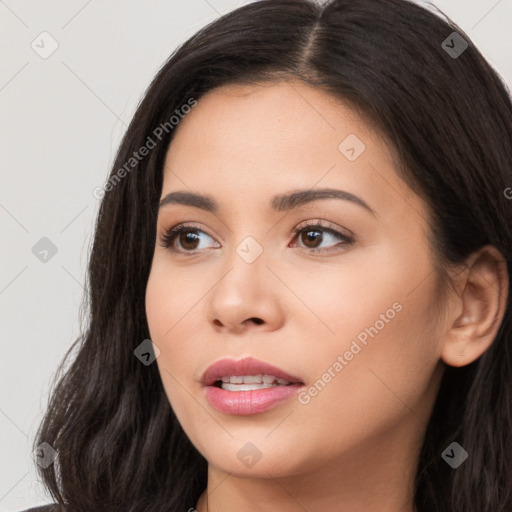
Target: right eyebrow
point(190, 199)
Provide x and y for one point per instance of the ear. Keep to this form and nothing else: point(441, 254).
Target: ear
point(478, 308)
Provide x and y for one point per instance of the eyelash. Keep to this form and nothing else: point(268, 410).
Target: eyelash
point(168, 237)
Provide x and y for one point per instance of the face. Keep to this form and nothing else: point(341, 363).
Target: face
point(336, 289)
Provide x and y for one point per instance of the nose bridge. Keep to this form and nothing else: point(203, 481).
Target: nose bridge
point(250, 249)
point(246, 269)
point(243, 291)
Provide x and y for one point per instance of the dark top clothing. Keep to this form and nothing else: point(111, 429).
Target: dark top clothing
point(53, 507)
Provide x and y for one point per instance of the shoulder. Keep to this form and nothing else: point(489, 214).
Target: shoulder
point(53, 507)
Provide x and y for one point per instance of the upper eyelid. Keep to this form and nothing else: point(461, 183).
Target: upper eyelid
point(320, 223)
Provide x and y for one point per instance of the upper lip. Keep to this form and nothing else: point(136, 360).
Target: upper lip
point(245, 366)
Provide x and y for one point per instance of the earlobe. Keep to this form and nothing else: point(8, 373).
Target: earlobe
point(483, 292)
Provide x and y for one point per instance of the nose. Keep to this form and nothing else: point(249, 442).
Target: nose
point(247, 297)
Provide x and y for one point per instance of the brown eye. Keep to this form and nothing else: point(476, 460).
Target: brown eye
point(187, 237)
point(311, 236)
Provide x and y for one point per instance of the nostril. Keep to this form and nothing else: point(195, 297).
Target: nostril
point(258, 321)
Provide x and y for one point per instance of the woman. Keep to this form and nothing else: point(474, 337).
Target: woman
point(299, 279)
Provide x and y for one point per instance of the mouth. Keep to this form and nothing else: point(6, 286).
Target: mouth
point(248, 386)
point(251, 382)
point(246, 374)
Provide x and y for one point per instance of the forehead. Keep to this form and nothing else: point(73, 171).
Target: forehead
point(262, 139)
point(273, 116)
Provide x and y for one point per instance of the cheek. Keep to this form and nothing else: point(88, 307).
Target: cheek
point(375, 346)
point(173, 326)
point(379, 364)
point(169, 301)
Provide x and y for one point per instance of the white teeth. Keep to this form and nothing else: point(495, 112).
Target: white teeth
point(254, 379)
point(246, 387)
point(250, 382)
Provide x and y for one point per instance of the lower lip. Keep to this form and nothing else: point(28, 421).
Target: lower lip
point(249, 402)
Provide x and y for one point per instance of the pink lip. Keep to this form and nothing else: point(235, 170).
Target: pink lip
point(247, 402)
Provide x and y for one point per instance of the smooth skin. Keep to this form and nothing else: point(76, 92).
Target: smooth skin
point(354, 446)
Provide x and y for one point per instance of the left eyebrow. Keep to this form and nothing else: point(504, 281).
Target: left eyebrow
point(278, 203)
point(300, 197)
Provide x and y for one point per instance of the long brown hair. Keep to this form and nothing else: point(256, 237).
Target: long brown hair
point(448, 118)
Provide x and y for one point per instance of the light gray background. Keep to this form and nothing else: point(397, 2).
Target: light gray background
point(62, 120)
